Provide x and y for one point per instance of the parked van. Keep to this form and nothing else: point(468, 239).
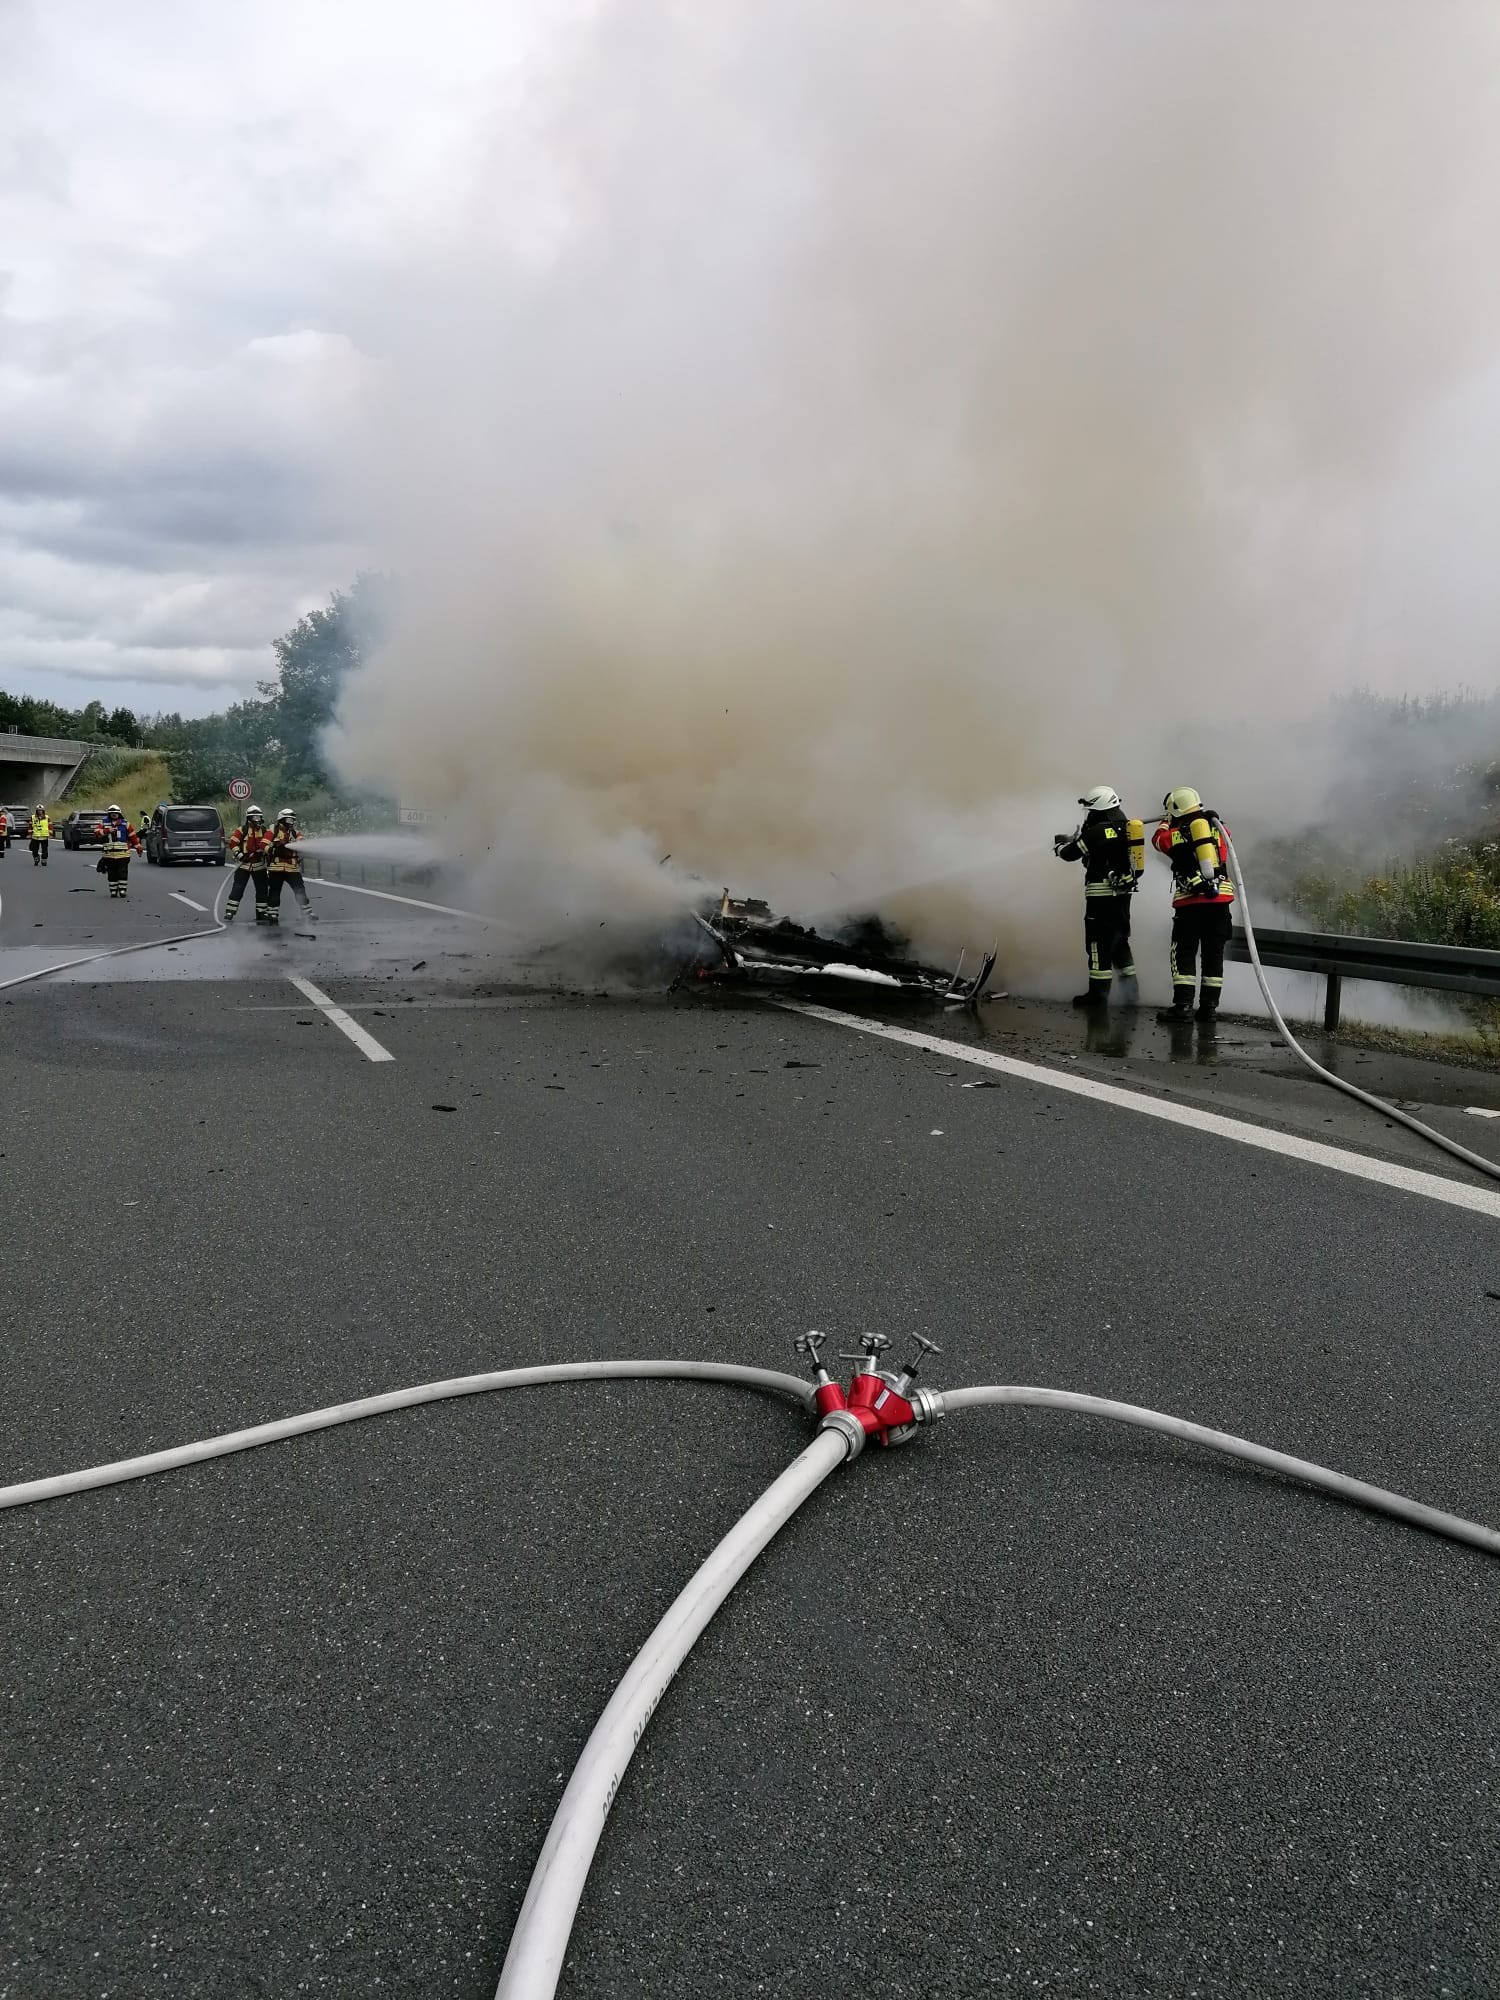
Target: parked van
point(186, 833)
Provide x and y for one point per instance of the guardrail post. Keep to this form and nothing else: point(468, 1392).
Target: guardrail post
point(1331, 996)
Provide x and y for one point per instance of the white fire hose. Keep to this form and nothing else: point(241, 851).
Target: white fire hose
point(1475, 1160)
point(539, 1941)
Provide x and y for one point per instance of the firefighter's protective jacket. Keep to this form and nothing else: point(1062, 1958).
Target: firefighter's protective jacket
point(1102, 844)
point(119, 840)
point(286, 857)
point(250, 846)
point(1199, 855)
point(41, 827)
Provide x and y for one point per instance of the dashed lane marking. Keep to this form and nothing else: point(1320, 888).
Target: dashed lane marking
point(362, 1039)
point(178, 897)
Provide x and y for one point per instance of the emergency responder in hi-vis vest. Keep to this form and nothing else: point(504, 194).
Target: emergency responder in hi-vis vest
point(1112, 850)
point(1192, 839)
point(41, 833)
point(285, 868)
point(250, 845)
point(114, 862)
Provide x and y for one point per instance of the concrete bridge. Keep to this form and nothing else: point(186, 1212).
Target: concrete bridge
point(37, 767)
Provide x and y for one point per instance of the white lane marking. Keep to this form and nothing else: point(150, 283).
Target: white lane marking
point(416, 903)
point(178, 897)
point(1409, 1179)
point(1479, 1111)
point(397, 1007)
point(360, 1037)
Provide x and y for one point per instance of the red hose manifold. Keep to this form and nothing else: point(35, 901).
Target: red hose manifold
point(882, 1404)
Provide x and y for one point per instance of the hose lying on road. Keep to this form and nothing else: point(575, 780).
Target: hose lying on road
point(539, 1941)
point(776, 1384)
point(121, 950)
point(1453, 1525)
point(1475, 1160)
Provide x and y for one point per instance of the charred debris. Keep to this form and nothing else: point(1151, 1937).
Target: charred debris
point(751, 944)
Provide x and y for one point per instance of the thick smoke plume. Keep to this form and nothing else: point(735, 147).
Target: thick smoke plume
point(838, 431)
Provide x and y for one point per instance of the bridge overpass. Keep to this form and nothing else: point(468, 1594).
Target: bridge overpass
point(37, 767)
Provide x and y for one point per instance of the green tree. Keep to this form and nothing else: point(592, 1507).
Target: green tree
point(312, 661)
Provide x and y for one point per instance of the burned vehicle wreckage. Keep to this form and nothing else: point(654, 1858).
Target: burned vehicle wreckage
point(751, 944)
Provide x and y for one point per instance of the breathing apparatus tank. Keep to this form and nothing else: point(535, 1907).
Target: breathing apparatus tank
point(1206, 849)
point(1135, 834)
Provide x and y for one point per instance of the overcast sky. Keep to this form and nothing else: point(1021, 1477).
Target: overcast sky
point(203, 208)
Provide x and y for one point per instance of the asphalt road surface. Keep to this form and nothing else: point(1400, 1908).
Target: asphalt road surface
point(1036, 1705)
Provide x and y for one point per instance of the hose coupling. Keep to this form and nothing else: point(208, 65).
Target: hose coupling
point(848, 1427)
point(927, 1406)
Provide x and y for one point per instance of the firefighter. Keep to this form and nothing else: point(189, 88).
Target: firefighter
point(285, 869)
point(250, 845)
point(4, 833)
point(1110, 848)
point(41, 833)
point(1192, 839)
point(114, 862)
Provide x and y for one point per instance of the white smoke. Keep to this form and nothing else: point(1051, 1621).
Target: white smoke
point(836, 432)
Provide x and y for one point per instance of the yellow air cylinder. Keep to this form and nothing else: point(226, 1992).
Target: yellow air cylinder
point(1135, 833)
point(1201, 834)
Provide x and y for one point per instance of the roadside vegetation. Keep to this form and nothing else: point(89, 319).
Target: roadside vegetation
point(275, 739)
point(1410, 844)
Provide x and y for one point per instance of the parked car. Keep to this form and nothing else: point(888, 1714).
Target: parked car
point(186, 833)
point(83, 829)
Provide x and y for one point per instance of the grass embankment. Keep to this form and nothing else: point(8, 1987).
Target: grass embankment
point(138, 781)
point(135, 780)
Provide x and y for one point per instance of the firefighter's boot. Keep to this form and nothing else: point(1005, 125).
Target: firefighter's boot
point(1181, 1009)
point(1208, 1004)
point(1097, 995)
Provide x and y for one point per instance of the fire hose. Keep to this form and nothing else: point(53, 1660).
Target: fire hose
point(878, 1407)
point(1475, 1160)
point(122, 950)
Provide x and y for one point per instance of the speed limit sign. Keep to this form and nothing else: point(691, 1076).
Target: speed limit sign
point(239, 788)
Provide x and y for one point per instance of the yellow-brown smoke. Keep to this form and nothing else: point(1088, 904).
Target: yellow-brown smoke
point(843, 430)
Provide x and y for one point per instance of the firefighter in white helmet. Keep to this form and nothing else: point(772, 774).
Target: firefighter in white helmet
point(1112, 850)
point(284, 871)
point(120, 843)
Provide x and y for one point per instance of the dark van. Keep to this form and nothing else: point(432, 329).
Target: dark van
point(186, 833)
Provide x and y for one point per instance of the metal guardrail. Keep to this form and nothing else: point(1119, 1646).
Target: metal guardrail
point(370, 874)
point(1392, 960)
